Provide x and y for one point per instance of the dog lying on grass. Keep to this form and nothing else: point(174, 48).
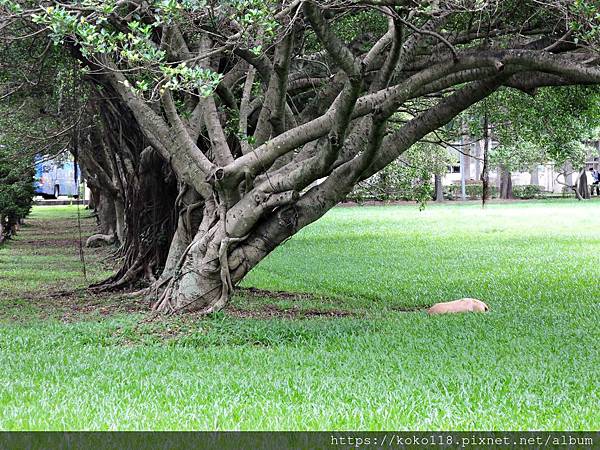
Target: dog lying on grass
point(459, 306)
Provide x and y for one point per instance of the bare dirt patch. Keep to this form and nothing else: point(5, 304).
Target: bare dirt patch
point(274, 311)
point(280, 295)
point(44, 243)
point(409, 308)
point(78, 304)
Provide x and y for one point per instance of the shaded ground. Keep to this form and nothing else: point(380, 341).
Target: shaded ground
point(42, 273)
point(48, 247)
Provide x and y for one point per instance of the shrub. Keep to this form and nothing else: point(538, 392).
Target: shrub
point(567, 191)
point(528, 191)
point(395, 182)
point(473, 190)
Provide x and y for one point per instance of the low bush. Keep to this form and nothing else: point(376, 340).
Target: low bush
point(395, 182)
point(528, 191)
point(473, 190)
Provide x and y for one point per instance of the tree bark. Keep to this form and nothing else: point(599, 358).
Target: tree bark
point(135, 190)
point(119, 209)
point(106, 213)
point(478, 155)
point(506, 192)
point(439, 189)
point(582, 186)
point(568, 168)
point(535, 179)
point(190, 217)
point(467, 159)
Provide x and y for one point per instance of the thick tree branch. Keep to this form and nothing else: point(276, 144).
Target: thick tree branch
point(342, 56)
point(271, 119)
point(183, 138)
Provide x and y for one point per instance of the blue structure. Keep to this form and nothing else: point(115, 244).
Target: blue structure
point(54, 177)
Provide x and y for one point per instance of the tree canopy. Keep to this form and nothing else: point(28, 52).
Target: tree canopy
point(550, 126)
point(263, 115)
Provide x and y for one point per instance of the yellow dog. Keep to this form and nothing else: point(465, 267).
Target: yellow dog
point(459, 306)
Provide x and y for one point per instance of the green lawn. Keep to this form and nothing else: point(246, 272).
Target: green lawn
point(345, 356)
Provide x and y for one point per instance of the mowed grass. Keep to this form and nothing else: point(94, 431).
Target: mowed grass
point(46, 253)
point(346, 356)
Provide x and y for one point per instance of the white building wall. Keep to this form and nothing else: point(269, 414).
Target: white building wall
point(548, 176)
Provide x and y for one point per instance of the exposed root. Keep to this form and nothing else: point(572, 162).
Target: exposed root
point(149, 273)
point(128, 279)
point(171, 301)
point(141, 293)
point(162, 303)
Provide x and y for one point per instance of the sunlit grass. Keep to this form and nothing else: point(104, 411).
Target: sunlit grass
point(531, 363)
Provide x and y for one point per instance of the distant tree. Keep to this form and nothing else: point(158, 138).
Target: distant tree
point(547, 125)
point(35, 113)
point(16, 186)
point(409, 177)
point(50, 104)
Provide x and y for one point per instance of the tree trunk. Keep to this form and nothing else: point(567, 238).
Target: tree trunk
point(107, 218)
point(119, 220)
point(477, 161)
point(91, 205)
point(7, 227)
point(582, 186)
point(535, 179)
point(107, 222)
point(568, 168)
point(498, 180)
point(213, 263)
point(202, 279)
point(505, 184)
point(439, 189)
point(467, 161)
point(190, 217)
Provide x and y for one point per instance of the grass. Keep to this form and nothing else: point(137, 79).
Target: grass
point(342, 356)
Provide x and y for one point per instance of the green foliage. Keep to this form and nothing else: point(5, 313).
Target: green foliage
point(528, 191)
point(255, 14)
point(33, 120)
point(149, 70)
point(352, 26)
point(547, 127)
point(397, 181)
point(16, 186)
point(585, 21)
point(408, 178)
point(473, 191)
point(11, 6)
point(356, 29)
point(189, 79)
point(38, 116)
